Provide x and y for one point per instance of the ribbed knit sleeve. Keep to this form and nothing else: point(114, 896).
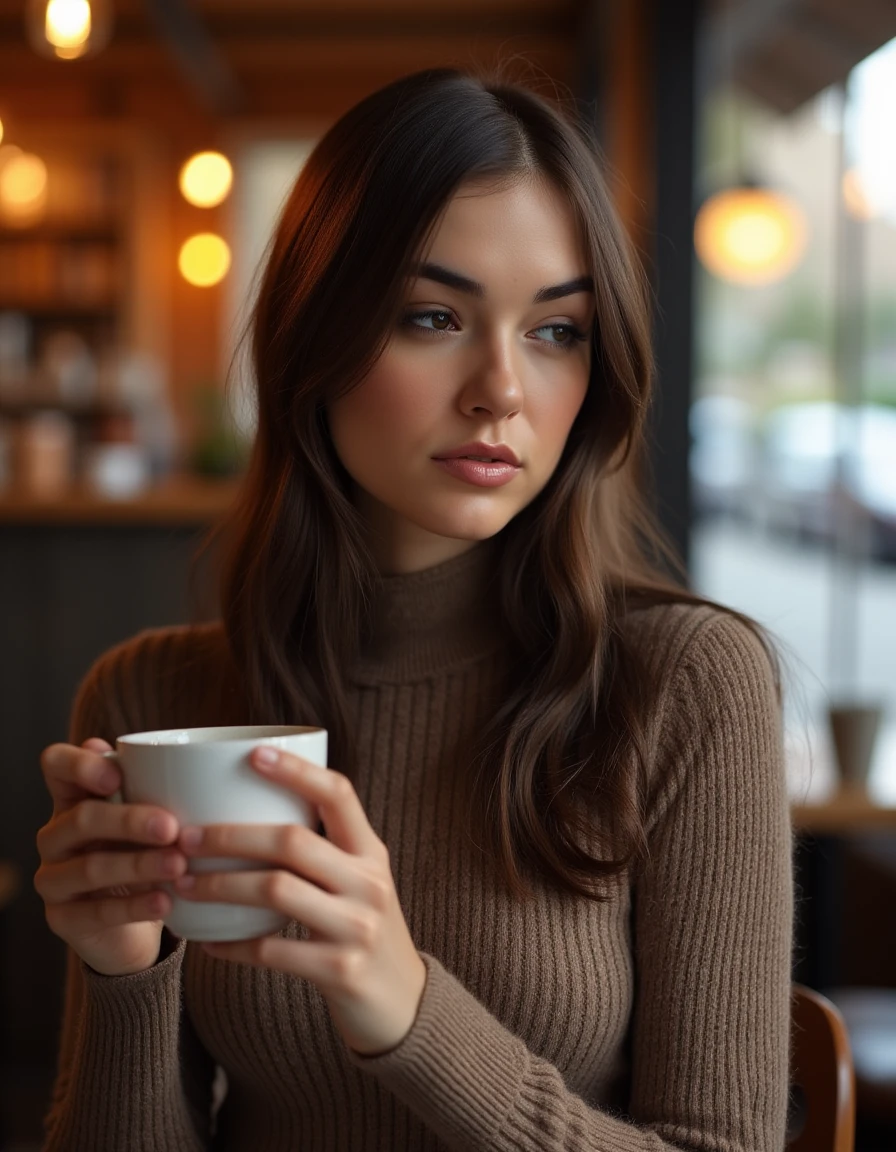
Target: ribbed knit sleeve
point(712, 934)
point(132, 1073)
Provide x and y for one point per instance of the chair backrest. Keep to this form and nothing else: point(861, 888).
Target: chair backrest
point(822, 1077)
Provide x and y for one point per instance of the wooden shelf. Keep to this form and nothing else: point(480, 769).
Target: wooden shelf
point(62, 309)
point(176, 500)
point(75, 233)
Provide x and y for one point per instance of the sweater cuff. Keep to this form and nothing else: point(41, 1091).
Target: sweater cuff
point(119, 991)
point(126, 1059)
point(458, 1067)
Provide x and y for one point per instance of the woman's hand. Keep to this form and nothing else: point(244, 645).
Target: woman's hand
point(359, 954)
point(102, 864)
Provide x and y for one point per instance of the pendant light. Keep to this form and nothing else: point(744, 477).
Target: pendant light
point(746, 232)
point(749, 234)
point(68, 29)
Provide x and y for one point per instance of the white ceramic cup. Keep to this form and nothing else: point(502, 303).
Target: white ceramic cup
point(203, 776)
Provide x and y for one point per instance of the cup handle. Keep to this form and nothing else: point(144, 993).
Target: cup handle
point(116, 797)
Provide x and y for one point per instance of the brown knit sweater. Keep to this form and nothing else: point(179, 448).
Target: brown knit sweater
point(657, 1021)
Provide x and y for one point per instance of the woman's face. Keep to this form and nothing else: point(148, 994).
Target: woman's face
point(488, 361)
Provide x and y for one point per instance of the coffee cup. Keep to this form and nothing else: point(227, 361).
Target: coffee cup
point(203, 776)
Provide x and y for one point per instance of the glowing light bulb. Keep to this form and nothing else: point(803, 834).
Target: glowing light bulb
point(206, 179)
point(67, 27)
point(750, 236)
point(204, 259)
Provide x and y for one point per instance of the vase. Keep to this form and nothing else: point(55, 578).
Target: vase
point(854, 729)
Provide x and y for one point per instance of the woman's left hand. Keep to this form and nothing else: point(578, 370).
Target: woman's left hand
point(359, 954)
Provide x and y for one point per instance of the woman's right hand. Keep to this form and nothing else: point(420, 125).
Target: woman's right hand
point(102, 863)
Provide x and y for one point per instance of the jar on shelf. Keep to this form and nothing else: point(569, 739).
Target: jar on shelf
point(44, 453)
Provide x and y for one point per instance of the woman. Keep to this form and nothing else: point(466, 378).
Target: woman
point(549, 904)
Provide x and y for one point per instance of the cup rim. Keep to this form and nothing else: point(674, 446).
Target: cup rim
point(249, 734)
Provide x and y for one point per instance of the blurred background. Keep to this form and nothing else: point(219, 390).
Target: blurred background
point(145, 150)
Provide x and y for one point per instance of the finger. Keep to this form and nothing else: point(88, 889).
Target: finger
point(333, 793)
point(72, 773)
point(332, 917)
point(94, 871)
point(77, 918)
point(314, 961)
point(290, 846)
point(92, 820)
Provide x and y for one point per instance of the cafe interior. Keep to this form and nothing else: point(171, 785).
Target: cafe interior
point(146, 147)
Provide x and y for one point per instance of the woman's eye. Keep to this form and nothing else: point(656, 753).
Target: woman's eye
point(438, 318)
point(571, 333)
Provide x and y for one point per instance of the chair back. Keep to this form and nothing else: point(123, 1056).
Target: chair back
point(822, 1116)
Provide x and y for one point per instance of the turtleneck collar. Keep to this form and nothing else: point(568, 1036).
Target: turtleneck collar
point(433, 621)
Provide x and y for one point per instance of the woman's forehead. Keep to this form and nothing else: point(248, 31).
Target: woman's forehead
point(531, 229)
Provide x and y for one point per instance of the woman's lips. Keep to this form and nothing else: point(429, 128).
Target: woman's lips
point(478, 472)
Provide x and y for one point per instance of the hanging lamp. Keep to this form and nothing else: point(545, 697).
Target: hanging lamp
point(68, 29)
point(746, 232)
point(749, 234)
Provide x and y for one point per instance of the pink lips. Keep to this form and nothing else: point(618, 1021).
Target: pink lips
point(479, 472)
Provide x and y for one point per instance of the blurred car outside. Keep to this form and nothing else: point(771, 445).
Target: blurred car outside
point(781, 472)
point(799, 491)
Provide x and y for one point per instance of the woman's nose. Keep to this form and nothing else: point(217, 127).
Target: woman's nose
point(494, 384)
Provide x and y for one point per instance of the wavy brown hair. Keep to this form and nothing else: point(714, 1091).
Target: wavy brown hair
point(298, 575)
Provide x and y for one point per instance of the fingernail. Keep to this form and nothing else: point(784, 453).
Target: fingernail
point(266, 755)
point(191, 837)
point(158, 827)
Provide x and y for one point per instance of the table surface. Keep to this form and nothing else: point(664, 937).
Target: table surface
point(821, 804)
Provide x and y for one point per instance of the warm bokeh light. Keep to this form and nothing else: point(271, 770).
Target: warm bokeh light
point(7, 152)
point(750, 236)
point(1, 131)
point(854, 196)
point(67, 27)
point(206, 178)
point(204, 259)
point(23, 187)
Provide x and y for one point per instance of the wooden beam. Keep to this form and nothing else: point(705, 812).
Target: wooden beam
point(734, 32)
point(203, 66)
point(346, 10)
point(290, 59)
point(322, 79)
point(786, 51)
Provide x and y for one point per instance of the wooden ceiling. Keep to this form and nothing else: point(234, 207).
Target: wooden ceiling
point(783, 52)
point(177, 62)
point(170, 59)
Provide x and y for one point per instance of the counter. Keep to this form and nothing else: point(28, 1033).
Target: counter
point(186, 500)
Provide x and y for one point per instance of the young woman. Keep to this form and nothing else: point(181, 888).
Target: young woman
point(549, 902)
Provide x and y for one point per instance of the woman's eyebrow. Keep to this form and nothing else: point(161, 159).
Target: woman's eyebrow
point(474, 288)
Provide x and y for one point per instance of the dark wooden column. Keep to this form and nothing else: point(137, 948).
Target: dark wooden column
point(674, 131)
point(643, 79)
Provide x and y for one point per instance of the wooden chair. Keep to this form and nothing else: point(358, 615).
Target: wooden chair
point(823, 1086)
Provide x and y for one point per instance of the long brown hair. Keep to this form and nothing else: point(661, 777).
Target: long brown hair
point(298, 576)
